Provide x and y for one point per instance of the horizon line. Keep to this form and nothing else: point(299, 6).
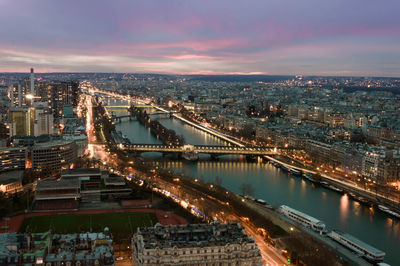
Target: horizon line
point(203, 74)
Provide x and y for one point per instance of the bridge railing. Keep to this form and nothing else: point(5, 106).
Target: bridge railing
point(204, 149)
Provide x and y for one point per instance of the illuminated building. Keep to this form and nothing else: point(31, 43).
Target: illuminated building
point(11, 181)
point(21, 117)
point(61, 94)
point(32, 83)
point(18, 95)
point(42, 119)
point(195, 244)
point(12, 159)
point(53, 155)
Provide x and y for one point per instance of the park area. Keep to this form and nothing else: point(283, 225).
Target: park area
point(121, 225)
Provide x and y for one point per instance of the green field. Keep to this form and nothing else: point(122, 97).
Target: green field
point(122, 225)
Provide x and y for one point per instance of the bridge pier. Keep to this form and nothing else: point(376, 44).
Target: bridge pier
point(251, 158)
point(136, 154)
point(214, 157)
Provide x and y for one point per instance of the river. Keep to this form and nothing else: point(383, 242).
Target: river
point(276, 187)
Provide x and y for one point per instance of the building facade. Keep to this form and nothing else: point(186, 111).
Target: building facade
point(11, 181)
point(21, 118)
point(49, 249)
point(53, 155)
point(195, 244)
point(12, 159)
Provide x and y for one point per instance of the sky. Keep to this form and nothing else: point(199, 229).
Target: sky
point(287, 37)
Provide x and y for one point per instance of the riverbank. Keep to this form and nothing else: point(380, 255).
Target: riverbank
point(274, 185)
point(376, 198)
point(221, 204)
point(367, 197)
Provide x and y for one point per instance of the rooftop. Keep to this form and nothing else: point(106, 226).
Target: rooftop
point(52, 143)
point(57, 184)
point(192, 235)
point(81, 171)
point(11, 176)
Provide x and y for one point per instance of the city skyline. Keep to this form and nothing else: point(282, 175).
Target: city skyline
point(255, 150)
point(188, 37)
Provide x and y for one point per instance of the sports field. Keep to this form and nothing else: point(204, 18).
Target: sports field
point(121, 225)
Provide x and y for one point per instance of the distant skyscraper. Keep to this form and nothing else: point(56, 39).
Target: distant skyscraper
point(32, 79)
point(61, 94)
point(42, 119)
point(4, 102)
point(20, 117)
point(11, 96)
point(19, 95)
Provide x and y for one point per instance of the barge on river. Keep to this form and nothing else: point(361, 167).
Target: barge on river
point(361, 248)
point(302, 218)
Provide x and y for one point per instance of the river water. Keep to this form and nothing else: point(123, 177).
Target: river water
point(276, 187)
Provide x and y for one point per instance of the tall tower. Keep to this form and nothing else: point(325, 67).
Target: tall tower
point(19, 95)
point(32, 85)
point(11, 96)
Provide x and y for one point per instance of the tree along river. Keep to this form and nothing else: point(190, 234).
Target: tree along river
point(276, 187)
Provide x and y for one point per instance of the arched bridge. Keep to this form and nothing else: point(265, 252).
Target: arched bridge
point(213, 150)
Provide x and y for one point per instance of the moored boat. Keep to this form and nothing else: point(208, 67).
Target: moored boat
point(302, 218)
point(364, 201)
point(284, 167)
point(325, 184)
point(389, 211)
point(335, 189)
point(295, 172)
point(352, 195)
point(355, 244)
point(309, 178)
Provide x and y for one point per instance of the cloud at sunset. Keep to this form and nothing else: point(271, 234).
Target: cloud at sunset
point(273, 37)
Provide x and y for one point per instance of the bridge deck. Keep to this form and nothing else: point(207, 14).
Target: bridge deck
point(203, 149)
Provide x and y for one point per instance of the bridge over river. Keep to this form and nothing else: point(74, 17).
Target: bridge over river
point(207, 149)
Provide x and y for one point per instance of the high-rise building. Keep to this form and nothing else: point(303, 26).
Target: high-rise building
point(4, 102)
point(21, 118)
point(42, 119)
point(43, 91)
point(32, 81)
point(18, 95)
point(58, 95)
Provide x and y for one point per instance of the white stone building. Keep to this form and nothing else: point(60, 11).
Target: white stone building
point(195, 244)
